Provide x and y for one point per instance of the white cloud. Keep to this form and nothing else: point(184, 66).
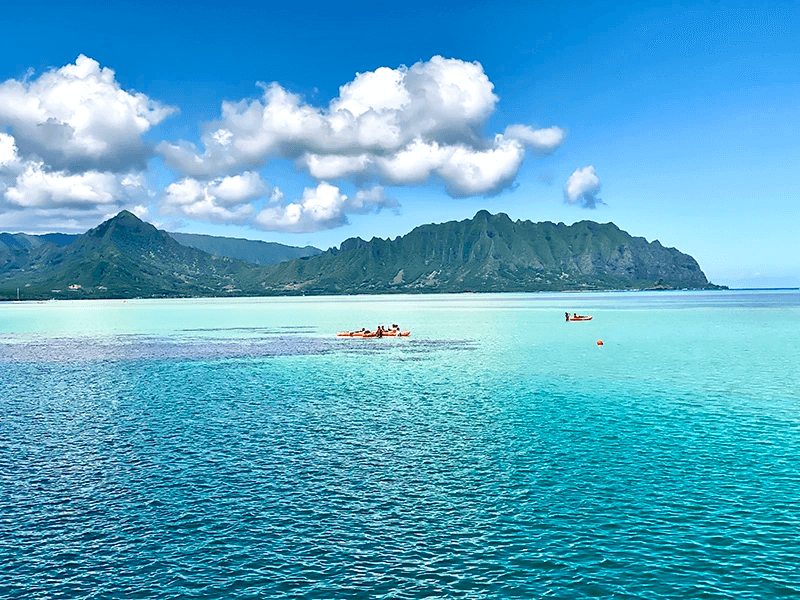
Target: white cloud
point(380, 90)
point(135, 181)
point(206, 209)
point(413, 164)
point(544, 141)
point(141, 211)
point(73, 150)
point(582, 187)
point(320, 208)
point(222, 137)
point(79, 118)
point(371, 200)
point(186, 191)
point(72, 142)
point(8, 152)
point(276, 197)
point(36, 187)
point(334, 166)
point(238, 189)
point(466, 171)
point(323, 207)
point(33, 198)
point(225, 199)
point(399, 126)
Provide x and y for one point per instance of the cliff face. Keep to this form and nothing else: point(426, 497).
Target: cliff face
point(491, 253)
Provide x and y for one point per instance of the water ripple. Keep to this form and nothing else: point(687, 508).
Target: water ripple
point(272, 344)
point(269, 464)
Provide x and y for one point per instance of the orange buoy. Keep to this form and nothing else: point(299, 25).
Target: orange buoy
point(599, 342)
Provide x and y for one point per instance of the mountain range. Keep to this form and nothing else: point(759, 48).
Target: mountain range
point(253, 251)
point(125, 257)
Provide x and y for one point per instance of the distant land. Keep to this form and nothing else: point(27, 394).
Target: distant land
point(252, 251)
point(125, 257)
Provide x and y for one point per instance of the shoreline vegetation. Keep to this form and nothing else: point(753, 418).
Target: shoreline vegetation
point(125, 258)
point(296, 295)
point(65, 298)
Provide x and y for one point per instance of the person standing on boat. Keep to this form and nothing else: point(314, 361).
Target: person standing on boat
point(566, 314)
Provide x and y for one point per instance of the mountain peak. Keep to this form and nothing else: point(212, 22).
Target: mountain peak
point(127, 230)
point(124, 219)
point(127, 219)
point(484, 216)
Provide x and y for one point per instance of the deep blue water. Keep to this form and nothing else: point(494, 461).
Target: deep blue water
point(237, 449)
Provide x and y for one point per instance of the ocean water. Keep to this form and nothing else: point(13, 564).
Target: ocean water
point(237, 449)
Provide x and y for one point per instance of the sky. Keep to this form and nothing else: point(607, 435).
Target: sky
point(309, 123)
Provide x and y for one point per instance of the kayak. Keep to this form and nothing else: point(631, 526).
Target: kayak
point(589, 318)
point(370, 334)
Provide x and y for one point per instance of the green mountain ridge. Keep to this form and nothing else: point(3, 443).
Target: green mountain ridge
point(125, 257)
point(491, 253)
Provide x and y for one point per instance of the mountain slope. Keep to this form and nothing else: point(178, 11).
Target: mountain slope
point(490, 253)
point(125, 257)
point(252, 251)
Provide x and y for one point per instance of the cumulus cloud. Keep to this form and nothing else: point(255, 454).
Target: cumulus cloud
point(29, 183)
point(72, 149)
point(399, 126)
point(233, 199)
point(466, 171)
point(544, 141)
point(582, 188)
point(223, 200)
point(34, 198)
point(36, 187)
point(78, 118)
point(72, 143)
point(470, 172)
point(322, 207)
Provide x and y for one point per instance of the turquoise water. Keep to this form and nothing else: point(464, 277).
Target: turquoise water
point(237, 449)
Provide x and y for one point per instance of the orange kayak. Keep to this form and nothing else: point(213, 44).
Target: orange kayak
point(370, 334)
point(580, 318)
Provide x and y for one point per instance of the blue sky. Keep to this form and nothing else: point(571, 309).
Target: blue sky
point(677, 122)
